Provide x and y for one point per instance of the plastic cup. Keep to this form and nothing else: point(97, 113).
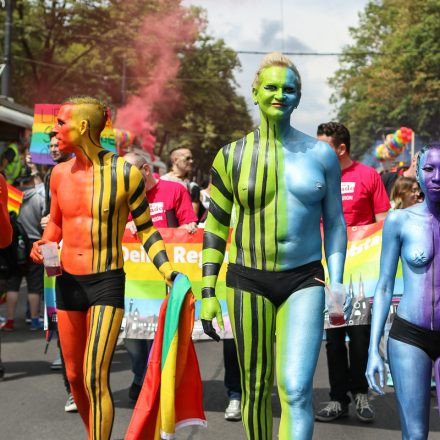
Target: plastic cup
point(335, 304)
point(51, 259)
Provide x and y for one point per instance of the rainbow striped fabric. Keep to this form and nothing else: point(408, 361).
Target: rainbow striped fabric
point(44, 121)
point(171, 395)
point(15, 199)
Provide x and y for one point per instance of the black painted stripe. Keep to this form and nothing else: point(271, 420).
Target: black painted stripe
point(102, 361)
point(208, 292)
point(127, 168)
point(218, 183)
point(153, 238)
point(251, 199)
point(93, 219)
point(276, 199)
point(146, 225)
point(263, 366)
point(101, 196)
point(213, 241)
point(239, 337)
point(139, 190)
point(219, 213)
point(253, 364)
point(118, 246)
point(111, 210)
point(272, 362)
point(92, 323)
point(160, 258)
point(209, 269)
point(236, 172)
point(143, 206)
point(263, 205)
point(93, 374)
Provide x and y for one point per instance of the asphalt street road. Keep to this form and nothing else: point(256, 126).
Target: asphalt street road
point(32, 397)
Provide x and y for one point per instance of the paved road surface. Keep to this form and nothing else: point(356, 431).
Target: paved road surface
point(32, 398)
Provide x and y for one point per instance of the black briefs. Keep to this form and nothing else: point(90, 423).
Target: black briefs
point(80, 292)
point(275, 286)
point(423, 338)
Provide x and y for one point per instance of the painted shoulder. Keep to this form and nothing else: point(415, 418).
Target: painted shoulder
point(396, 219)
point(62, 167)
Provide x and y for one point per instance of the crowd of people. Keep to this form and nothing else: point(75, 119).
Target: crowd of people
point(276, 188)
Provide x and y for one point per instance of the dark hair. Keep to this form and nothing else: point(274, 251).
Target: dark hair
point(170, 154)
point(338, 132)
point(51, 135)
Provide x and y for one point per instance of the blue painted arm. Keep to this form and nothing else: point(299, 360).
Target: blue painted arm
point(335, 231)
point(391, 244)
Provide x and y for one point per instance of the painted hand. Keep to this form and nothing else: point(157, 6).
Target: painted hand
point(375, 366)
point(132, 227)
point(36, 255)
point(211, 309)
point(170, 277)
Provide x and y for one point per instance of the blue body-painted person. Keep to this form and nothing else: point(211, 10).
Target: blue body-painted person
point(413, 234)
point(281, 182)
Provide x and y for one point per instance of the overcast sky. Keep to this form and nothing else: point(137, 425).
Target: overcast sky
point(292, 26)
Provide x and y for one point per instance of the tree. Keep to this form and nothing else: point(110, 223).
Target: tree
point(69, 47)
point(211, 114)
point(389, 76)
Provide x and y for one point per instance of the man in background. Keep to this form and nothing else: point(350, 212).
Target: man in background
point(170, 207)
point(181, 164)
point(364, 201)
point(58, 157)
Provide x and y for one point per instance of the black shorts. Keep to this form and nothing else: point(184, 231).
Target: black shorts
point(80, 292)
point(275, 286)
point(423, 338)
point(34, 279)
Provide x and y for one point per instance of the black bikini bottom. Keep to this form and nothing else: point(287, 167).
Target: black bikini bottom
point(423, 338)
point(275, 286)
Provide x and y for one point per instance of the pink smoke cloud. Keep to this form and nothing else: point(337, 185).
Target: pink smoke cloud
point(160, 38)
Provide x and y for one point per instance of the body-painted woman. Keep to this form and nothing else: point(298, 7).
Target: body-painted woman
point(414, 341)
point(281, 182)
point(91, 197)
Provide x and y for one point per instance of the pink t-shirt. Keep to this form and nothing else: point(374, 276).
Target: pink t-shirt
point(170, 196)
point(363, 194)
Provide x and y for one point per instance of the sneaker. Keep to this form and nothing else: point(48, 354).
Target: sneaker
point(364, 410)
point(56, 364)
point(36, 324)
point(70, 405)
point(332, 411)
point(233, 411)
point(8, 325)
point(134, 391)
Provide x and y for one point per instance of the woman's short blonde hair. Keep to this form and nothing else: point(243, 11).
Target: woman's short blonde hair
point(276, 59)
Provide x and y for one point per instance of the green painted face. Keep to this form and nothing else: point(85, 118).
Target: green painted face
point(278, 93)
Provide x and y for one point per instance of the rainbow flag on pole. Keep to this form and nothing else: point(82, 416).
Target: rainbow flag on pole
point(15, 199)
point(171, 395)
point(44, 120)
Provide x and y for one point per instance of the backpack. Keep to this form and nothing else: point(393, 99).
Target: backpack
point(15, 258)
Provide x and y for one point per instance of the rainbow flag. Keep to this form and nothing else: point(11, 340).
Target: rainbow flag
point(44, 121)
point(171, 395)
point(15, 199)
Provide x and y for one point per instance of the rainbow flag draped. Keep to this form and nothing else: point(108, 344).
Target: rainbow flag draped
point(15, 199)
point(171, 395)
point(44, 120)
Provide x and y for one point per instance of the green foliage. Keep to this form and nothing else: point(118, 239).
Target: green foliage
point(389, 76)
point(212, 114)
point(68, 47)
